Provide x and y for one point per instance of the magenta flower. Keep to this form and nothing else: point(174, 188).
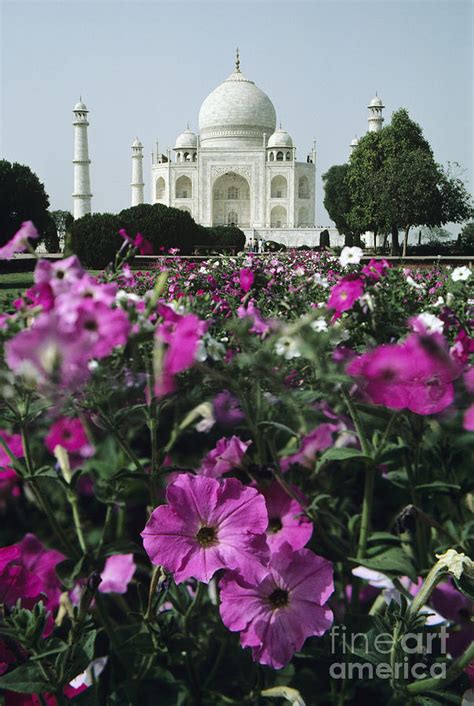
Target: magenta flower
point(246, 278)
point(320, 439)
point(41, 295)
point(142, 244)
point(208, 525)
point(416, 374)
point(182, 335)
point(227, 455)
point(8, 476)
point(70, 434)
point(375, 269)
point(117, 573)
point(49, 355)
point(19, 242)
point(59, 275)
point(104, 328)
point(275, 615)
point(468, 419)
point(345, 293)
point(259, 325)
point(286, 519)
point(27, 570)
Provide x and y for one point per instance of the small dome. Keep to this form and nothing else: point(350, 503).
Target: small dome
point(354, 142)
point(280, 138)
point(80, 106)
point(137, 143)
point(187, 140)
point(376, 103)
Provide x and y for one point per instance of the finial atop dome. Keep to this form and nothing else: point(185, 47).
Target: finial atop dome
point(237, 60)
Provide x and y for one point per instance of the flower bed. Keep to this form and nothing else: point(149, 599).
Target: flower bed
point(237, 480)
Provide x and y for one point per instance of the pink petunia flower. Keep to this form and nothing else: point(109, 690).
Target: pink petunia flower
point(105, 328)
point(182, 335)
point(27, 570)
point(468, 419)
point(208, 525)
point(320, 439)
point(49, 355)
point(117, 573)
point(286, 519)
point(70, 434)
point(19, 241)
point(275, 615)
point(59, 275)
point(246, 279)
point(8, 476)
point(227, 454)
point(416, 374)
point(345, 293)
point(227, 410)
point(259, 325)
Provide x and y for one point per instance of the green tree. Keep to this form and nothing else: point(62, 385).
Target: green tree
point(337, 200)
point(22, 198)
point(164, 227)
point(395, 183)
point(63, 221)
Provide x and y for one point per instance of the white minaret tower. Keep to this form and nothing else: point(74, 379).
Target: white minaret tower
point(82, 184)
point(354, 144)
point(137, 173)
point(375, 114)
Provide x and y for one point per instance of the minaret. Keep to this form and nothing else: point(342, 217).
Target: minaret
point(354, 144)
point(82, 185)
point(375, 114)
point(137, 173)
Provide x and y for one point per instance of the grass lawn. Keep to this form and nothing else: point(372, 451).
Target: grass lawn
point(13, 284)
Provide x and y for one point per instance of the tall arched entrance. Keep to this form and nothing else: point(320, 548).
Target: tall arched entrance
point(231, 201)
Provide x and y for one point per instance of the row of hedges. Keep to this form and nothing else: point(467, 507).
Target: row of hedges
point(95, 238)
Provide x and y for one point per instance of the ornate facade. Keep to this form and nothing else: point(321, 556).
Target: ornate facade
point(239, 169)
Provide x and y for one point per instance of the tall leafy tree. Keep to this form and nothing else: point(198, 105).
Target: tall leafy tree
point(337, 200)
point(395, 183)
point(22, 198)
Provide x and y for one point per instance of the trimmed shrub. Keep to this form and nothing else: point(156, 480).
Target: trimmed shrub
point(164, 227)
point(95, 239)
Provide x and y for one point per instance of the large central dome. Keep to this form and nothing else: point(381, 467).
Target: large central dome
point(237, 112)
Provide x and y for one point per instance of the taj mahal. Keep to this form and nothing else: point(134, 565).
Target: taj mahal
point(239, 169)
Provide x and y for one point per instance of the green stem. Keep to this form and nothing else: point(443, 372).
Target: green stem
point(366, 510)
point(108, 519)
point(155, 577)
point(77, 520)
point(435, 683)
point(365, 446)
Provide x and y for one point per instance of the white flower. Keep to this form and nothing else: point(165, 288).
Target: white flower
point(319, 279)
point(460, 274)
point(368, 300)
point(439, 302)
point(287, 347)
point(412, 283)
point(350, 256)
point(299, 272)
point(87, 678)
point(319, 325)
point(429, 322)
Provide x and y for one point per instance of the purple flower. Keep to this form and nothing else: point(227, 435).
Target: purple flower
point(208, 525)
point(59, 275)
point(276, 614)
point(49, 355)
point(286, 519)
point(227, 411)
point(19, 242)
point(228, 454)
point(117, 573)
point(104, 328)
point(320, 439)
point(252, 313)
point(246, 279)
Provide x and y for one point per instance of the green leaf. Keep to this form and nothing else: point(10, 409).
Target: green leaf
point(343, 454)
point(438, 486)
point(280, 427)
point(391, 561)
point(26, 679)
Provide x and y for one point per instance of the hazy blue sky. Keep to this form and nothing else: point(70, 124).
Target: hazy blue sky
point(144, 68)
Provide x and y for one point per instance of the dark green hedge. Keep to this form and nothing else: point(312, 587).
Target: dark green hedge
point(95, 238)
